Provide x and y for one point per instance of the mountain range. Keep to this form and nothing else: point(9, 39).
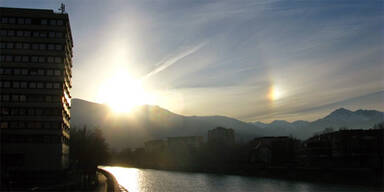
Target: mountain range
point(152, 122)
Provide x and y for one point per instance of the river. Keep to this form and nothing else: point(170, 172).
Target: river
point(143, 180)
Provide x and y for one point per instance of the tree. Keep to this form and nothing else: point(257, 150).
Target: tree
point(88, 148)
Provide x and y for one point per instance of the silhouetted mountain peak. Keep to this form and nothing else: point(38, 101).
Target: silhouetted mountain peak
point(341, 111)
point(340, 114)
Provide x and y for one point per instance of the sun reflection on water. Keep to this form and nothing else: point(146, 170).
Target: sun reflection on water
point(126, 177)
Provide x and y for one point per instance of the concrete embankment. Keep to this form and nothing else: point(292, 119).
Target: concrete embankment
point(112, 184)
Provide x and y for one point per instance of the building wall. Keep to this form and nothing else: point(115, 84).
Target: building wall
point(346, 148)
point(36, 61)
point(221, 135)
point(185, 142)
point(155, 145)
point(275, 151)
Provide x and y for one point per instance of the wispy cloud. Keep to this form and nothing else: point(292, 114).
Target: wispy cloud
point(170, 61)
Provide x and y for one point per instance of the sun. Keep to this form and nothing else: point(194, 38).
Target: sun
point(274, 93)
point(122, 93)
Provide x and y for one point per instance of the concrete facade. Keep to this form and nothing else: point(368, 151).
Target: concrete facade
point(36, 62)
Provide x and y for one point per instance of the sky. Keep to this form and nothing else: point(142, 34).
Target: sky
point(251, 60)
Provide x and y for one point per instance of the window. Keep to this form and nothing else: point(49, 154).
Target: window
point(31, 125)
point(7, 71)
point(47, 125)
point(3, 32)
point(6, 84)
point(50, 72)
point(58, 60)
point(20, 21)
point(4, 111)
point(51, 34)
point(26, 45)
point(5, 97)
point(22, 111)
point(21, 125)
point(48, 98)
point(23, 85)
point(57, 73)
point(17, 71)
point(24, 71)
point(13, 125)
point(3, 45)
point(31, 112)
point(41, 59)
point(43, 34)
point(52, 22)
point(32, 85)
point(35, 34)
point(35, 59)
point(4, 125)
point(35, 46)
point(25, 58)
point(40, 72)
point(28, 21)
point(42, 46)
point(27, 33)
point(19, 45)
point(51, 46)
point(2, 58)
point(44, 22)
point(33, 71)
point(8, 58)
point(12, 20)
point(56, 85)
point(16, 84)
point(17, 58)
point(60, 22)
point(19, 33)
point(4, 20)
point(14, 111)
point(15, 98)
point(39, 111)
point(49, 86)
point(50, 59)
point(11, 33)
point(59, 47)
point(40, 85)
point(59, 35)
point(23, 98)
point(9, 45)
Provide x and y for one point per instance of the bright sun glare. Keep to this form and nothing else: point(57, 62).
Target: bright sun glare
point(274, 93)
point(123, 93)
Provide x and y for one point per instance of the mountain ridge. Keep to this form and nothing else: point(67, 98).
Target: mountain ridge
point(153, 122)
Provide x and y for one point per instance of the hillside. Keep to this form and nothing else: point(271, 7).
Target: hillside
point(152, 122)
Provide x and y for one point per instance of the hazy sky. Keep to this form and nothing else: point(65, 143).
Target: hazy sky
point(226, 57)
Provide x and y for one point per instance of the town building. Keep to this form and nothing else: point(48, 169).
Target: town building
point(191, 142)
point(36, 61)
point(221, 135)
point(356, 148)
point(274, 151)
point(157, 145)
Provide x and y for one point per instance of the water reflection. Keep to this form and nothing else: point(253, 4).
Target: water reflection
point(154, 180)
point(127, 177)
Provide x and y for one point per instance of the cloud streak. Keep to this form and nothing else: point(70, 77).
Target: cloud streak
point(170, 61)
